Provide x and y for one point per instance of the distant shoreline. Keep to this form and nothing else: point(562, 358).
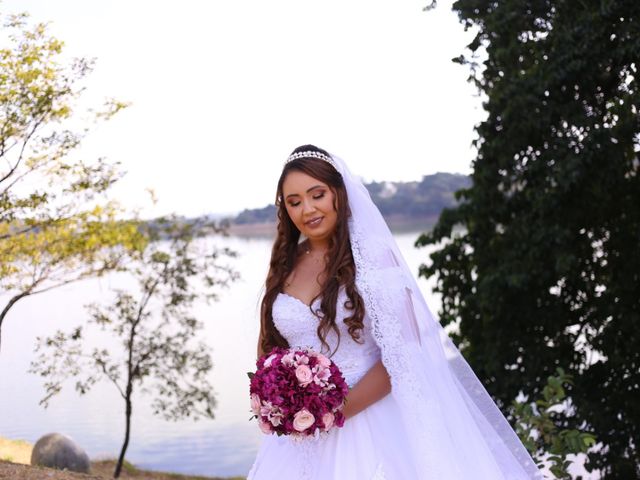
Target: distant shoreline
point(397, 224)
point(252, 229)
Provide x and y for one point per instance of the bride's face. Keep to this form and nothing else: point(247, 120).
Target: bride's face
point(309, 203)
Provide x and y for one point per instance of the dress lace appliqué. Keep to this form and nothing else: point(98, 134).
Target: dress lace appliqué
point(296, 322)
point(379, 473)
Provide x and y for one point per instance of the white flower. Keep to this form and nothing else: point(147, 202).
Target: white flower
point(267, 362)
point(321, 375)
point(275, 417)
point(266, 408)
point(301, 359)
point(324, 361)
point(287, 359)
point(255, 403)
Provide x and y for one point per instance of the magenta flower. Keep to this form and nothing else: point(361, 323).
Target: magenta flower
point(297, 392)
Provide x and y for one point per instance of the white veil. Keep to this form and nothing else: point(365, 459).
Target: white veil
point(456, 430)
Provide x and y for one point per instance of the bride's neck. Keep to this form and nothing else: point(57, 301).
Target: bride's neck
point(319, 247)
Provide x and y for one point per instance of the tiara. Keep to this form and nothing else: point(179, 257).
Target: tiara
point(312, 154)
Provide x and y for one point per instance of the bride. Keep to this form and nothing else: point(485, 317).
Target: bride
point(337, 283)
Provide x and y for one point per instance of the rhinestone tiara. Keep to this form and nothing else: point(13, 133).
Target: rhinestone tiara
point(312, 154)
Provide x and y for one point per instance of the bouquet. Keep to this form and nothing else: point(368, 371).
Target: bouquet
point(297, 392)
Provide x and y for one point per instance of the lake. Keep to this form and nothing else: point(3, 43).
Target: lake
point(224, 446)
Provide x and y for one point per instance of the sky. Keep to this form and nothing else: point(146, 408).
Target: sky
point(222, 91)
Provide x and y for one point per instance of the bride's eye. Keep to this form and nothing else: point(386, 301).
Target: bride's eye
point(294, 204)
point(316, 197)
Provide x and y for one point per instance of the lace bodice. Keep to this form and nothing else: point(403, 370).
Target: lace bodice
point(298, 325)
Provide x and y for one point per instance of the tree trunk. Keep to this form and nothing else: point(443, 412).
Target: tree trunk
point(6, 309)
point(116, 474)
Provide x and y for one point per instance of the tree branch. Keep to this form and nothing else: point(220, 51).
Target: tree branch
point(21, 155)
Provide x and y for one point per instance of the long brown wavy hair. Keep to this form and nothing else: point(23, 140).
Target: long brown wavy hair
point(340, 268)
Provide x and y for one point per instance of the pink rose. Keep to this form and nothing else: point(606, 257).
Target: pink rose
point(324, 361)
point(303, 420)
point(255, 403)
point(264, 426)
point(327, 420)
point(304, 375)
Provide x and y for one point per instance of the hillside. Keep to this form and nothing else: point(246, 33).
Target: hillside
point(419, 199)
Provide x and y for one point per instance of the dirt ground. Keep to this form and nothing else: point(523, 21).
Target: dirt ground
point(101, 470)
point(19, 471)
point(15, 457)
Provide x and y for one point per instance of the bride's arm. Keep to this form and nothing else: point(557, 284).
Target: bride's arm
point(374, 386)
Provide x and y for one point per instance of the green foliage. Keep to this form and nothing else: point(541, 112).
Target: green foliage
point(154, 327)
point(56, 224)
point(544, 269)
point(536, 425)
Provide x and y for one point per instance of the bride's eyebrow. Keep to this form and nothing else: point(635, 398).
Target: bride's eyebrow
point(308, 190)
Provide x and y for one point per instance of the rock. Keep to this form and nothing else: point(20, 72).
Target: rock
point(59, 451)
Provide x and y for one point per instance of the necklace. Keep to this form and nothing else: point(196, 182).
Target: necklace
point(315, 259)
point(308, 251)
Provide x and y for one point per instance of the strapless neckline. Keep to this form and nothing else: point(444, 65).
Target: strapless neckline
point(296, 299)
point(298, 323)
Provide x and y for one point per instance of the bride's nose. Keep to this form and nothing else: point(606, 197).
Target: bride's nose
point(308, 207)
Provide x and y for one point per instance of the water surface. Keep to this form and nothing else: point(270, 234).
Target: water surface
point(224, 446)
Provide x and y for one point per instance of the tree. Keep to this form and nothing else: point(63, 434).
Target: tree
point(155, 328)
point(536, 426)
point(56, 224)
point(544, 272)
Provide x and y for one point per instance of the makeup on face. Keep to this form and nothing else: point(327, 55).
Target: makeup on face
point(310, 205)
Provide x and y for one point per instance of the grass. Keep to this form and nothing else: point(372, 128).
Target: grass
point(16, 451)
point(19, 452)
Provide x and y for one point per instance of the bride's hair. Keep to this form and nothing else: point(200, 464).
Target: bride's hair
point(340, 268)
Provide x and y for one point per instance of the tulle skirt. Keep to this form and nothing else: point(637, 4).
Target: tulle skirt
point(370, 446)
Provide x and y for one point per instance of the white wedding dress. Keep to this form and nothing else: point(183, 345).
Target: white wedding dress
point(438, 422)
point(371, 445)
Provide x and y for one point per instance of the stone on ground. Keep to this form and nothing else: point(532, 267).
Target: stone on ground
point(55, 450)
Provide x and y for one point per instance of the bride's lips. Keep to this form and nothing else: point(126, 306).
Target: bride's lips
point(314, 222)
